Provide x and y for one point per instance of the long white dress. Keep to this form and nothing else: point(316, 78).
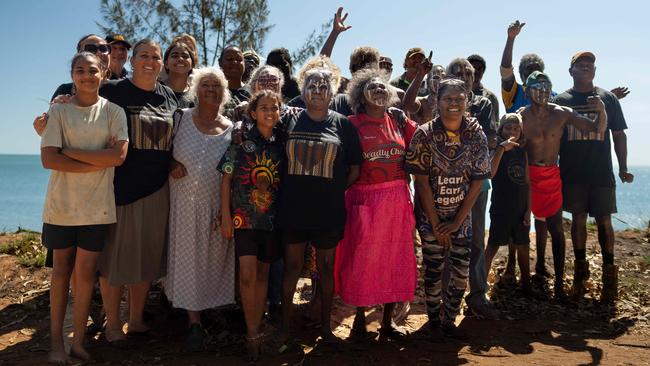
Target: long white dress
point(201, 263)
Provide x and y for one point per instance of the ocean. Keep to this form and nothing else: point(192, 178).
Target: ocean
point(23, 182)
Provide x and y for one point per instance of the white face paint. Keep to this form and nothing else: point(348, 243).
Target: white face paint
point(268, 81)
point(540, 93)
point(376, 92)
point(317, 89)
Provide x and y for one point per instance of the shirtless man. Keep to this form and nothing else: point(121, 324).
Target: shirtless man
point(543, 126)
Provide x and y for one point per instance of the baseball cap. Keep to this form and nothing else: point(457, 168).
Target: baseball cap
point(583, 54)
point(534, 77)
point(415, 51)
point(117, 38)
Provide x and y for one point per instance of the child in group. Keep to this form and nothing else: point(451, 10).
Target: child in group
point(510, 204)
point(82, 142)
point(249, 191)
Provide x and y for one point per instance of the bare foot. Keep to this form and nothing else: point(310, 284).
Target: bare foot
point(58, 357)
point(80, 353)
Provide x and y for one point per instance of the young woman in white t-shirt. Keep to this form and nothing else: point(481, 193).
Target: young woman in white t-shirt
point(82, 142)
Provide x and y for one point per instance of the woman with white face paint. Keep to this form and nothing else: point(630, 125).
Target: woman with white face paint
point(323, 158)
point(385, 272)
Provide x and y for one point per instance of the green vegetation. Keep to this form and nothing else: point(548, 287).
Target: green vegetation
point(26, 245)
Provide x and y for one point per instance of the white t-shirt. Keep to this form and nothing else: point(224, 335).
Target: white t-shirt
point(75, 199)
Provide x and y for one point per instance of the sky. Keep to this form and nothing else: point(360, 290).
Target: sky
point(39, 38)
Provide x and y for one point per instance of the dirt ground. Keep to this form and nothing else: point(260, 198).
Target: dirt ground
point(530, 331)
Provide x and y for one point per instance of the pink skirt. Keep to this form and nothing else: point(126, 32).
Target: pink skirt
point(375, 261)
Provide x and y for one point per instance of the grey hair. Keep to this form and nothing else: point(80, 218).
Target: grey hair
point(258, 72)
point(528, 59)
point(320, 62)
point(199, 74)
point(358, 83)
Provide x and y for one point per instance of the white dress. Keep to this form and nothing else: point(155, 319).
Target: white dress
point(200, 263)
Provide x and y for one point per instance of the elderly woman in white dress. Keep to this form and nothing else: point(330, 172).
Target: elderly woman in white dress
point(201, 263)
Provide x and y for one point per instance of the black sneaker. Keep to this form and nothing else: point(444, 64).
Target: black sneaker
point(195, 338)
point(435, 332)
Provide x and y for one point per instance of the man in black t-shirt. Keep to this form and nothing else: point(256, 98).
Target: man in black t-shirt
point(589, 187)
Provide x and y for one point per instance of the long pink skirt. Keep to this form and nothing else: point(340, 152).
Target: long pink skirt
point(375, 261)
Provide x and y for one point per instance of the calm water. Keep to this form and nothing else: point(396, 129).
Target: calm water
point(23, 183)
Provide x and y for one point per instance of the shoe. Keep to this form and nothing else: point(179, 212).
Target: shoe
point(393, 332)
point(435, 332)
point(195, 338)
point(450, 330)
point(484, 310)
point(541, 272)
point(580, 277)
point(609, 293)
point(559, 294)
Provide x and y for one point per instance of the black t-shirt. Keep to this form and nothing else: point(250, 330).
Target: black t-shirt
point(319, 155)
point(586, 158)
point(149, 120)
point(480, 108)
point(63, 89)
point(340, 103)
point(509, 187)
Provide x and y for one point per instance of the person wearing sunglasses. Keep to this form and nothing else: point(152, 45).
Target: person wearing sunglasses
point(544, 124)
point(96, 45)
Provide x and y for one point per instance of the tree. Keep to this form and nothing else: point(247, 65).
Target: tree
point(214, 23)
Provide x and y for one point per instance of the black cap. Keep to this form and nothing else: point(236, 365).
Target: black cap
point(118, 38)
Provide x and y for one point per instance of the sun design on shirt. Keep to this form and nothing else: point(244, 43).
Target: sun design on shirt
point(262, 173)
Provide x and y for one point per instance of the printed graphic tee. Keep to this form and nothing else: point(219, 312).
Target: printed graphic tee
point(586, 157)
point(150, 122)
point(318, 157)
point(383, 145)
point(451, 161)
point(255, 166)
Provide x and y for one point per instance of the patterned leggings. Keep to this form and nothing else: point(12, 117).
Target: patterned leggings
point(435, 256)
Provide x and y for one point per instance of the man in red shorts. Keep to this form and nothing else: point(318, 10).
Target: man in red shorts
point(544, 125)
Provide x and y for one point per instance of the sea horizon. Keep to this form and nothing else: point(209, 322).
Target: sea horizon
point(23, 183)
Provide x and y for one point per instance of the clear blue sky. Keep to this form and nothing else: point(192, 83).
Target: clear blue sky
point(38, 39)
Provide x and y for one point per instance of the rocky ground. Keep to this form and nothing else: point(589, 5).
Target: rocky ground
point(531, 330)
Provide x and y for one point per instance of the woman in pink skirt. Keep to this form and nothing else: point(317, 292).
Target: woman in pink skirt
point(375, 261)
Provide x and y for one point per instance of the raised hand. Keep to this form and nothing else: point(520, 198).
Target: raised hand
point(338, 26)
point(620, 92)
point(515, 28)
point(509, 144)
point(426, 65)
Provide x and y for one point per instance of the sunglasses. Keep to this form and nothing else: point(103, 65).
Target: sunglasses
point(98, 48)
point(541, 85)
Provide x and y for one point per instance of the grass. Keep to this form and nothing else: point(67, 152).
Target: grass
point(26, 245)
point(644, 263)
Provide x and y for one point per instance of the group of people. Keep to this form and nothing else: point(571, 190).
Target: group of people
point(223, 180)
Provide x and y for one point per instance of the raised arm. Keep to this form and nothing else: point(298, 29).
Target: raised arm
point(338, 27)
point(507, 73)
point(409, 101)
point(506, 145)
point(585, 124)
